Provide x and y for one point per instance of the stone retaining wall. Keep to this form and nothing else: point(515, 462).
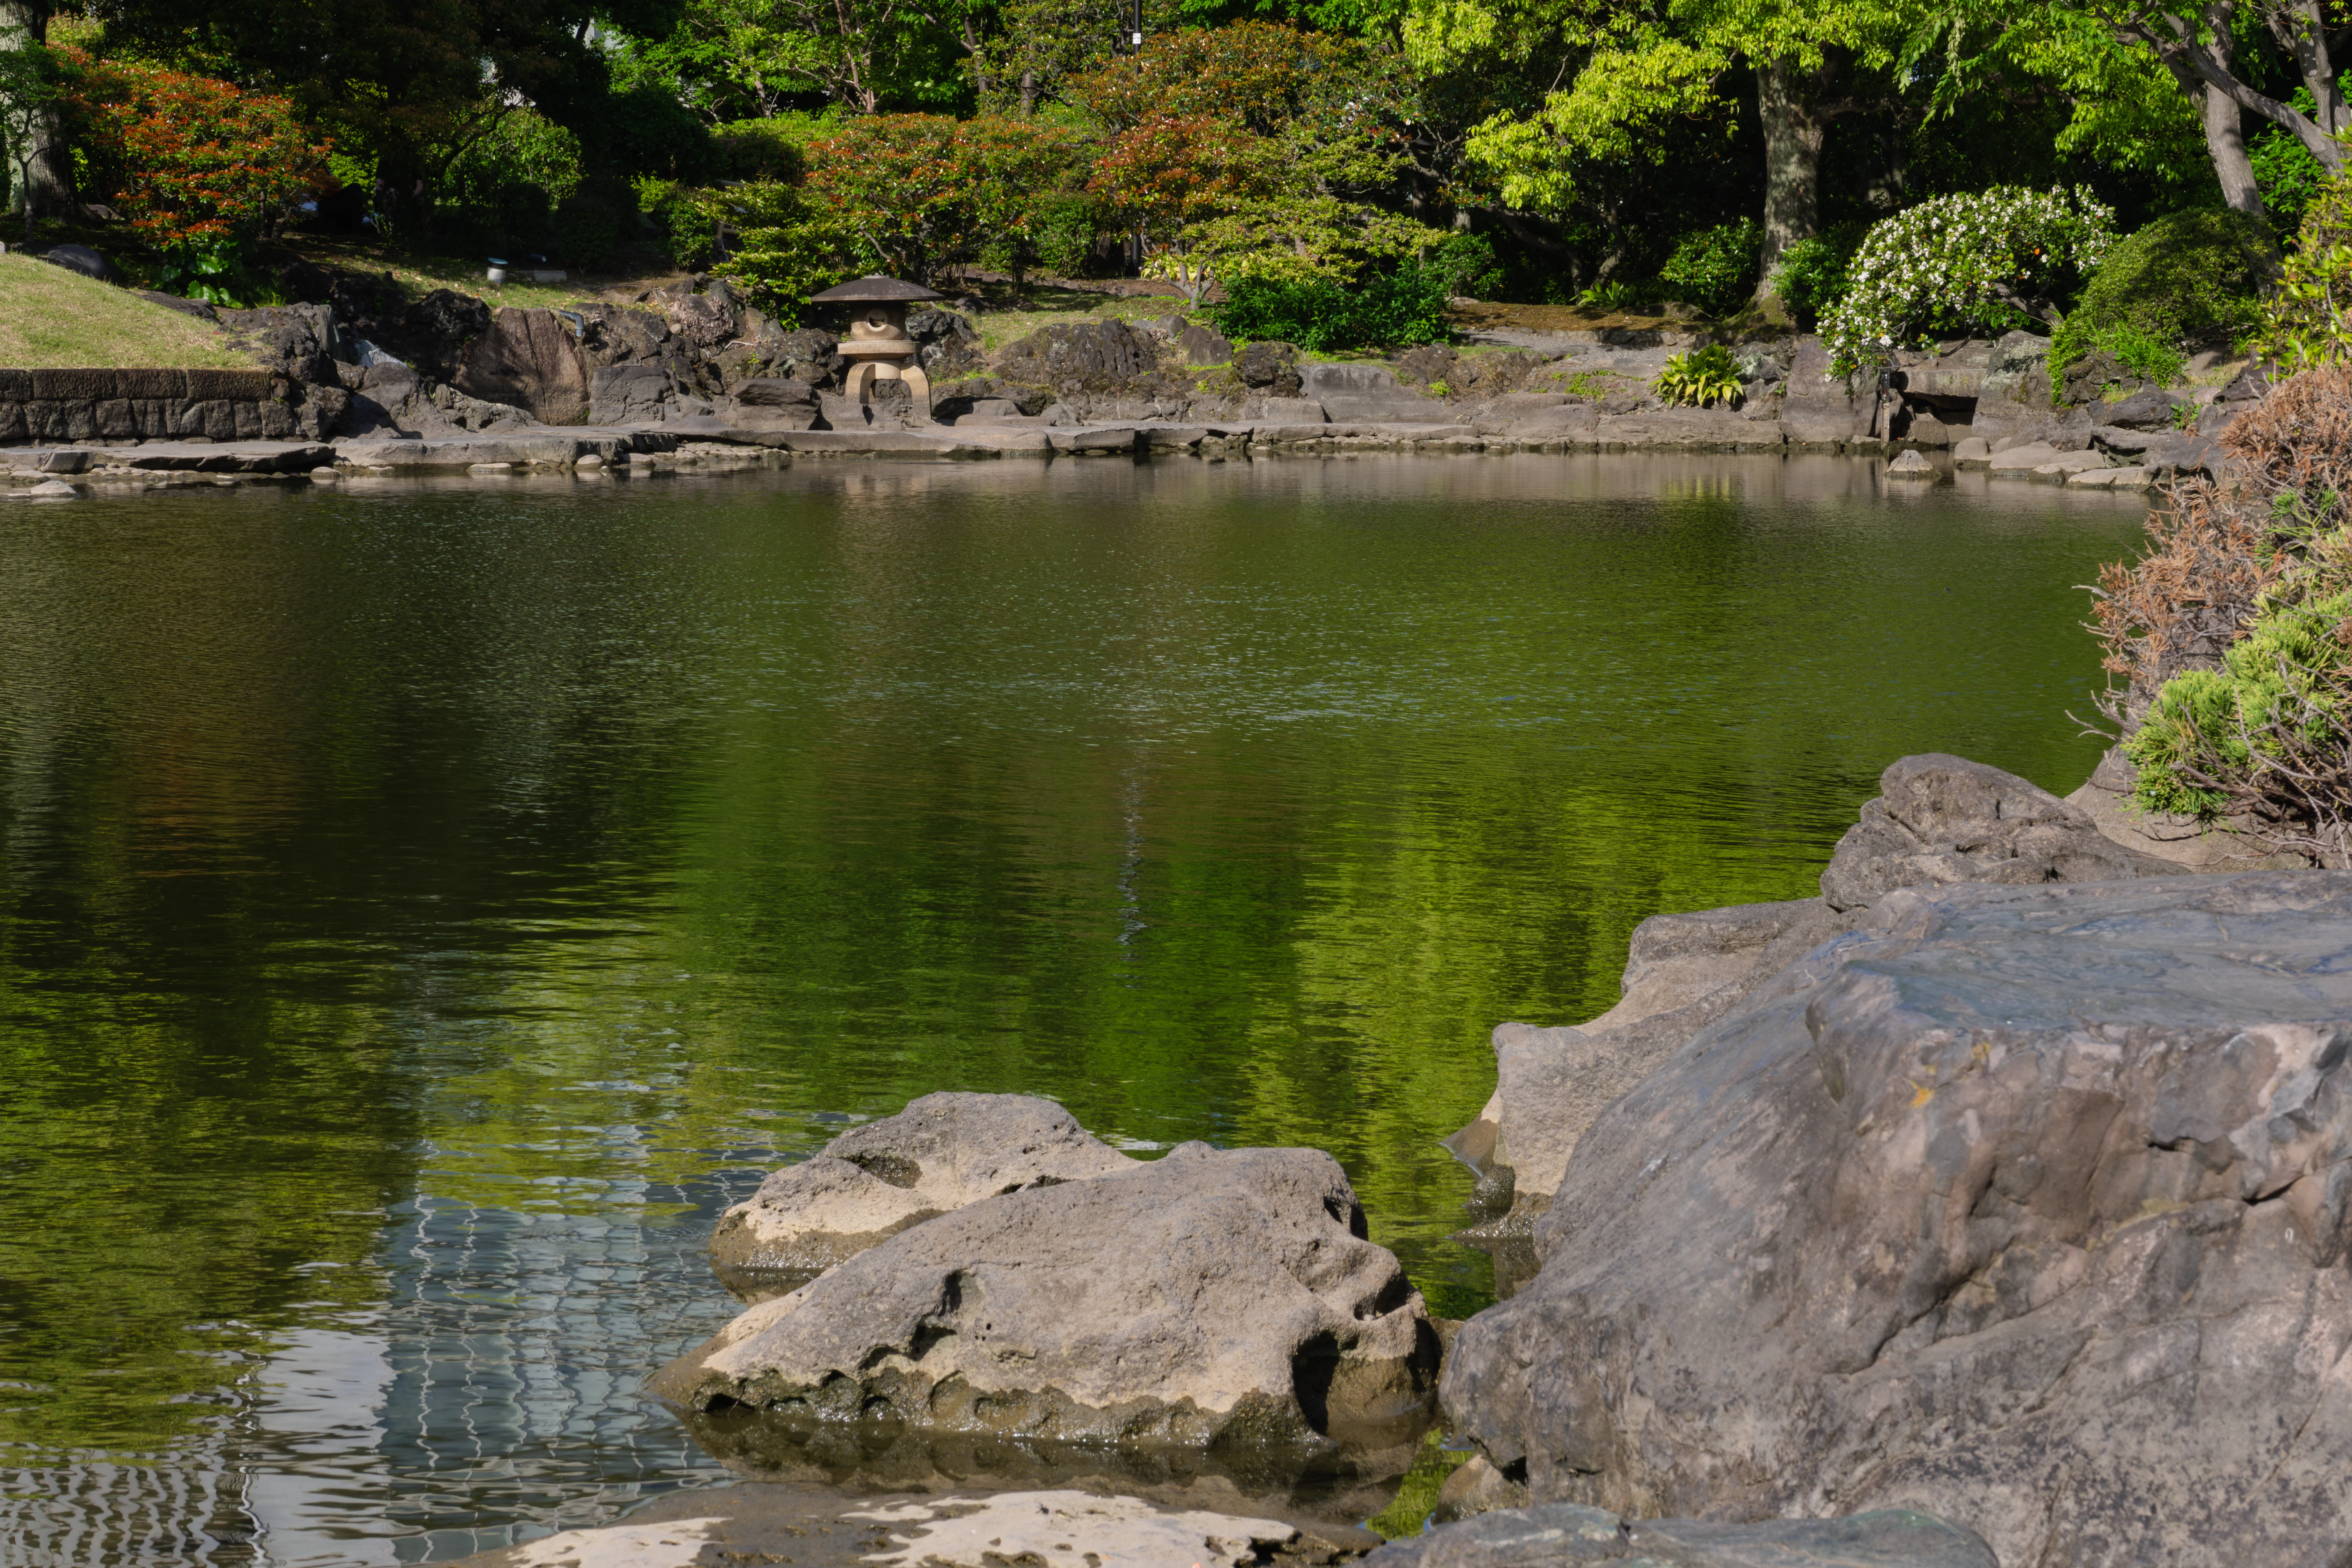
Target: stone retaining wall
point(119, 405)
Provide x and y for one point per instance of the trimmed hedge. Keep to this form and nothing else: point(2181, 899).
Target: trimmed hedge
point(2190, 280)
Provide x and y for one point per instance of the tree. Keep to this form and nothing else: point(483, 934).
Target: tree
point(1174, 174)
point(198, 166)
point(1630, 70)
point(2209, 49)
point(731, 59)
point(1253, 149)
point(28, 110)
point(1040, 46)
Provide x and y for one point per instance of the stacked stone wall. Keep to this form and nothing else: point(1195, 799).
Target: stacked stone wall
point(125, 406)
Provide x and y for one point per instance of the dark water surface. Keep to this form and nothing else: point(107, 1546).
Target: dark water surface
point(422, 909)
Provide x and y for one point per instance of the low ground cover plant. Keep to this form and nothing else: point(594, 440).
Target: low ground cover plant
point(1700, 378)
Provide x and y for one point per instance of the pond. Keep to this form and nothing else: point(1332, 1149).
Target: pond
point(425, 907)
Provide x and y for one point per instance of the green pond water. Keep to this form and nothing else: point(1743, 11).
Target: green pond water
point(423, 908)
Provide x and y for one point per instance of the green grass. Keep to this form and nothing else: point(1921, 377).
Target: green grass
point(51, 319)
point(1045, 303)
point(420, 275)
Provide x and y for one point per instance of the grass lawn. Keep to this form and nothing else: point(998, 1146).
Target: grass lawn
point(420, 275)
point(51, 319)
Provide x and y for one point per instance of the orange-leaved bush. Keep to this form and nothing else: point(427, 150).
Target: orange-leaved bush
point(190, 160)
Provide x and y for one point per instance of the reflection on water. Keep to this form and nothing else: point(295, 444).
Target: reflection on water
point(423, 907)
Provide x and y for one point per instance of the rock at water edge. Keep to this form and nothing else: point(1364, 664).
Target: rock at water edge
point(942, 1153)
point(1209, 1295)
point(2027, 1206)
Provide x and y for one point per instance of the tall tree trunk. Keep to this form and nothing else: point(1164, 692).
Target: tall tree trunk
point(1793, 132)
point(50, 182)
point(2302, 32)
point(2225, 127)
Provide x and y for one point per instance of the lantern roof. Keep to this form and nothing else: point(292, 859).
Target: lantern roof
point(873, 287)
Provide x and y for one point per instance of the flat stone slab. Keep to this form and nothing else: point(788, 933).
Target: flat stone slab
point(550, 447)
point(960, 1525)
point(2131, 478)
point(202, 456)
point(2019, 460)
point(942, 444)
point(1095, 440)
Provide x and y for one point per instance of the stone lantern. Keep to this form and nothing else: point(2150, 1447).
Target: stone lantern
point(876, 345)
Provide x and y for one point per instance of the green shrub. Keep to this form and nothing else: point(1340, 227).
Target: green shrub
point(2310, 320)
point(1970, 261)
point(2280, 687)
point(1466, 264)
point(501, 191)
point(1812, 273)
point(2192, 279)
point(1714, 269)
point(770, 151)
point(1401, 306)
point(1062, 233)
point(1699, 377)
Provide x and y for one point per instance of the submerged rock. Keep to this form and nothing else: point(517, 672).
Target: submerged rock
point(1211, 1294)
point(2027, 1205)
point(1568, 1533)
point(942, 1153)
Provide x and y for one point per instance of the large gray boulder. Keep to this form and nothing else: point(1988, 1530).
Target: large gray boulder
point(1940, 819)
point(1369, 393)
point(940, 1154)
point(1820, 409)
point(1566, 1533)
point(1207, 1296)
point(1682, 972)
point(528, 360)
point(2026, 1206)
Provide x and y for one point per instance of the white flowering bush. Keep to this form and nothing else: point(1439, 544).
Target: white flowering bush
point(1985, 259)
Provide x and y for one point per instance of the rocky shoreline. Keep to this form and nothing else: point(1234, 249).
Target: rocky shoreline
point(1992, 1207)
point(692, 375)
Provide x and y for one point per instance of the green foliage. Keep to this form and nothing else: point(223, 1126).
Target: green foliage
point(1395, 307)
point(220, 270)
point(1993, 259)
point(771, 150)
point(1466, 264)
point(1700, 378)
point(781, 265)
point(1062, 232)
point(501, 191)
point(2142, 352)
point(1714, 269)
point(2289, 175)
point(2291, 670)
point(1613, 294)
point(2192, 279)
point(2308, 321)
point(1810, 276)
point(587, 230)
